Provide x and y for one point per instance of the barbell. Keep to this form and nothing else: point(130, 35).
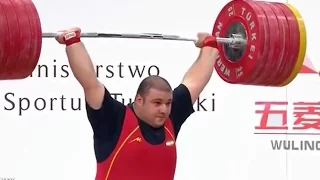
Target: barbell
point(260, 43)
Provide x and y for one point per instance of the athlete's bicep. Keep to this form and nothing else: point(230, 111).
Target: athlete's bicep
point(104, 121)
point(182, 106)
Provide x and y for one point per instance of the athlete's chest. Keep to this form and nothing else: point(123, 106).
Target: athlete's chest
point(137, 147)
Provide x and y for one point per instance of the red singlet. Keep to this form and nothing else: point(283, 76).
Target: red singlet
point(135, 159)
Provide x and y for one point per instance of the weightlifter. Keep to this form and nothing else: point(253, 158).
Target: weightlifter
point(137, 141)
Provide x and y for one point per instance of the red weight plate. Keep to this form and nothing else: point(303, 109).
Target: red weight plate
point(302, 45)
point(36, 30)
point(271, 61)
point(13, 45)
point(244, 14)
point(32, 45)
point(24, 38)
point(284, 43)
point(4, 40)
point(259, 72)
point(293, 42)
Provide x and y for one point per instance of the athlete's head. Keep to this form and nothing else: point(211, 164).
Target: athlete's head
point(153, 100)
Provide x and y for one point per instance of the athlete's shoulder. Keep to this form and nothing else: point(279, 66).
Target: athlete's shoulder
point(182, 107)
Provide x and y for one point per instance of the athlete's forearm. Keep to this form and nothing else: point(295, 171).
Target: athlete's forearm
point(201, 70)
point(81, 65)
point(199, 74)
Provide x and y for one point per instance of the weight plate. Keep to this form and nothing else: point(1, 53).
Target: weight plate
point(264, 44)
point(28, 71)
point(293, 42)
point(36, 35)
point(23, 40)
point(271, 58)
point(237, 65)
point(4, 40)
point(302, 45)
point(13, 44)
point(283, 47)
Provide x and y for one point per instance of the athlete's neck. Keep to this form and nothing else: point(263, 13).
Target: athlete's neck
point(139, 114)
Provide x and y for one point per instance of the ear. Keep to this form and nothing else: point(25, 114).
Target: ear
point(138, 99)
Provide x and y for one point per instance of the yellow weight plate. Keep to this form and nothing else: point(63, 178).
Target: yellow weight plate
point(302, 48)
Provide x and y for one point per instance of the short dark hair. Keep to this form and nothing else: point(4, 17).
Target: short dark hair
point(154, 81)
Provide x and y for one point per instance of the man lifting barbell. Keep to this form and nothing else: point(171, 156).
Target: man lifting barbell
point(137, 141)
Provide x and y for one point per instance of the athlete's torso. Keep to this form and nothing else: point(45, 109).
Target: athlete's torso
point(134, 158)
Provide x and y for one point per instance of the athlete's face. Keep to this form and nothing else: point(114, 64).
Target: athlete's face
point(156, 106)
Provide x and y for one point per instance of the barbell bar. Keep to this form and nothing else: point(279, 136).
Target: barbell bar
point(260, 43)
point(234, 41)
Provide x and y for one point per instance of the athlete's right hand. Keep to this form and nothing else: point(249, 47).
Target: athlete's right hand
point(206, 40)
point(63, 35)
